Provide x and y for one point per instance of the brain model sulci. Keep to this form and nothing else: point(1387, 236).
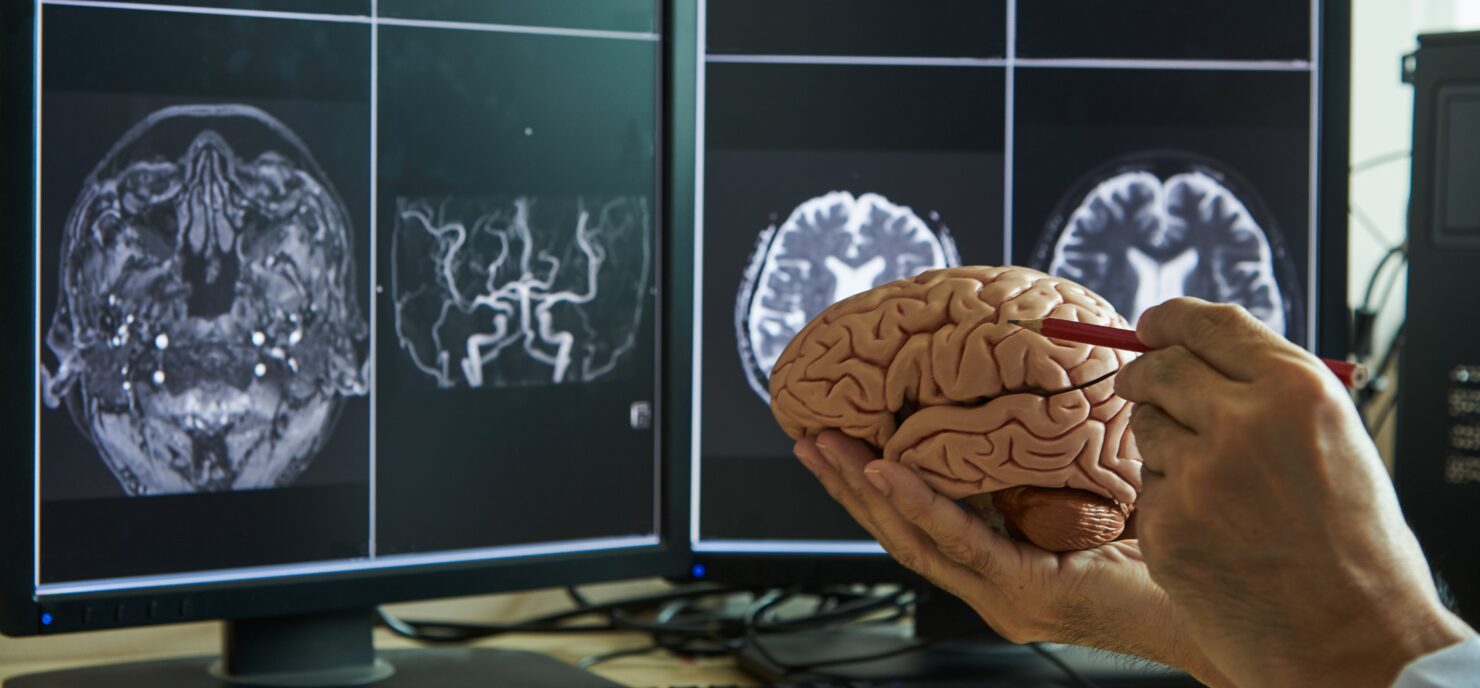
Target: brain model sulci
point(1019, 427)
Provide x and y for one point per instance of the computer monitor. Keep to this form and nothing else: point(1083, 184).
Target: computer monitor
point(982, 132)
point(331, 304)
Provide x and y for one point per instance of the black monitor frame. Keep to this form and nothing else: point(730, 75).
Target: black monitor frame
point(1333, 326)
point(21, 612)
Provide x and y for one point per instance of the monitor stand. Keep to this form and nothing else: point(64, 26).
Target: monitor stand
point(327, 650)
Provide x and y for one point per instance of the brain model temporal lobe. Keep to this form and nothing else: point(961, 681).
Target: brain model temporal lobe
point(931, 373)
point(207, 329)
point(830, 248)
point(520, 291)
point(1139, 239)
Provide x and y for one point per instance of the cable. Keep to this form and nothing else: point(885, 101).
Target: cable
point(458, 632)
point(1364, 317)
point(1400, 252)
point(1392, 282)
point(1377, 161)
point(1074, 676)
point(1367, 224)
point(574, 593)
point(593, 660)
point(755, 624)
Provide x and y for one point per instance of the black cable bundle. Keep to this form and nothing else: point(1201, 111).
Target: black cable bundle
point(678, 622)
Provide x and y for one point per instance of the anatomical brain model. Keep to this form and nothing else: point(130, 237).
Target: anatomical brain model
point(931, 373)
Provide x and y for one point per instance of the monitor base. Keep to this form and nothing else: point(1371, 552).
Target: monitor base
point(418, 668)
point(961, 662)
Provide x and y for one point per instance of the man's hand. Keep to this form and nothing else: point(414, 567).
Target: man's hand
point(1101, 598)
point(1266, 513)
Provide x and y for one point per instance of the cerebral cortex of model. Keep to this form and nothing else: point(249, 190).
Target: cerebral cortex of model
point(930, 371)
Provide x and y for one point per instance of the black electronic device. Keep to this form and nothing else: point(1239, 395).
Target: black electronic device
point(326, 305)
point(1437, 458)
point(980, 130)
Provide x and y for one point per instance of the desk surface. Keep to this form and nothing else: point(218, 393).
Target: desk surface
point(658, 669)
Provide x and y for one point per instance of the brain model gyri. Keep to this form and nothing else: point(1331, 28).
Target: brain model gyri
point(207, 329)
point(931, 373)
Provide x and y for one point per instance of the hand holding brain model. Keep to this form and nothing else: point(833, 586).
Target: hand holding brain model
point(929, 371)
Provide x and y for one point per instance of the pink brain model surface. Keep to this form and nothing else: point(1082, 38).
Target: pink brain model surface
point(930, 371)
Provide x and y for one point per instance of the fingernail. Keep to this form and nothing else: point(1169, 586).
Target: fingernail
point(827, 455)
point(878, 480)
point(806, 459)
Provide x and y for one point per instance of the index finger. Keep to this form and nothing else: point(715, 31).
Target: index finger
point(960, 535)
point(1226, 336)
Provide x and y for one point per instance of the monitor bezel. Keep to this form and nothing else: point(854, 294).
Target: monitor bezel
point(22, 612)
point(1332, 340)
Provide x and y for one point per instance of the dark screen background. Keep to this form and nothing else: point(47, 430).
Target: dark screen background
point(460, 469)
point(934, 138)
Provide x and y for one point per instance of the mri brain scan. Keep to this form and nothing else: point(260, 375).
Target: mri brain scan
point(1146, 232)
point(1029, 431)
point(830, 247)
point(520, 291)
point(208, 328)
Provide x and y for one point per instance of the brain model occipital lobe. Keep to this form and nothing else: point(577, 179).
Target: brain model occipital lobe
point(930, 371)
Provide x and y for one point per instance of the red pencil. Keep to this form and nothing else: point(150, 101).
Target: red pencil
point(1351, 374)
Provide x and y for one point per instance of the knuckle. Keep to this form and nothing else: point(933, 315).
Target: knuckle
point(963, 552)
point(911, 559)
point(1303, 384)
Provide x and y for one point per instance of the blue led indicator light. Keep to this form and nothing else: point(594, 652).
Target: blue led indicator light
point(46, 619)
point(698, 570)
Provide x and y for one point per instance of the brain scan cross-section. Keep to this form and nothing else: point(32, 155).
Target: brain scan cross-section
point(208, 327)
point(1143, 234)
point(831, 247)
point(520, 291)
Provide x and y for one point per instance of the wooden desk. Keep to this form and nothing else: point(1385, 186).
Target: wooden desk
point(656, 670)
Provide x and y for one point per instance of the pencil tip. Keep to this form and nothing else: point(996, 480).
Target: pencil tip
point(1014, 322)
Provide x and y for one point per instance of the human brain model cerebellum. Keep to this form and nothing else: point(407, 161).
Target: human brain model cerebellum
point(930, 371)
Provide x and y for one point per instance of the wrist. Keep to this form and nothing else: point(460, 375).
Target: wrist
point(1151, 630)
point(1374, 650)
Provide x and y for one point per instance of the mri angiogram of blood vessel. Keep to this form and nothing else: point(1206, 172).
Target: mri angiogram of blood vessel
point(830, 247)
point(1146, 233)
point(208, 328)
point(520, 291)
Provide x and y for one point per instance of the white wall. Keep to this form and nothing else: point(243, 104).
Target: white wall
point(1382, 122)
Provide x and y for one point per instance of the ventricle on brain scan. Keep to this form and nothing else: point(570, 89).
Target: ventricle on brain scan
point(1028, 430)
point(207, 329)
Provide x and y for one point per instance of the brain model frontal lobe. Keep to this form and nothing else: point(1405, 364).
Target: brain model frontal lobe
point(930, 371)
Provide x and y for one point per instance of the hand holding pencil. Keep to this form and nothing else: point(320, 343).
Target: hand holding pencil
point(1351, 374)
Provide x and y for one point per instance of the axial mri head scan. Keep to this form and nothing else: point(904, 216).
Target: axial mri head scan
point(208, 327)
point(1145, 233)
point(520, 292)
point(830, 247)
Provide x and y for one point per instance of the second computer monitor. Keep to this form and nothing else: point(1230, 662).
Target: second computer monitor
point(1055, 135)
